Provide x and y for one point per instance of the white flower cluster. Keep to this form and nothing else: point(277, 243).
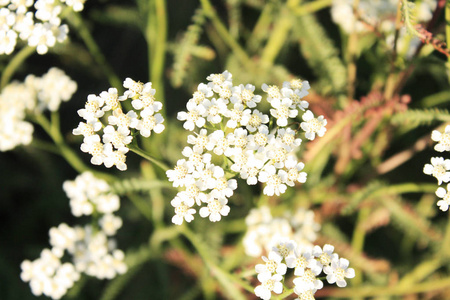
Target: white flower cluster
point(252, 145)
point(111, 148)
point(91, 250)
point(307, 262)
point(19, 99)
point(264, 231)
point(440, 167)
point(380, 13)
point(36, 22)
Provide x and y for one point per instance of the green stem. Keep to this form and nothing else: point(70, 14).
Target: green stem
point(352, 48)
point(147, 156)
point(226, 36)
point(157, 60)
point(222, 276)
point(65, 151)
point(14, 64)
point(277, 38)
point(311, 7)
point(358, 240)
point(75, 20)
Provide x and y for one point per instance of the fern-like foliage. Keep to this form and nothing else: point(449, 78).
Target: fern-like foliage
point(321, 54)
point(408, 13)
point(421, 116)
point(183, 51)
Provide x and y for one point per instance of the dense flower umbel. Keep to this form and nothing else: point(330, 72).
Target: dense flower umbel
point(264, 231)
point(90, 250)
point(308, 263)
point(111, 148)
point(35, 95)
point(227, 121)
point(36, 22)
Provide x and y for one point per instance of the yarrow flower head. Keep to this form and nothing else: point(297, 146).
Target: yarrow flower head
point(111, 146)
point(229, 124)
point(77, 250)
point(34, 96)
point(37, 23)
point(308, 263)
point(264, 231)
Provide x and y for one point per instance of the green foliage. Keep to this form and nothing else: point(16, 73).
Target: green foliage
point(321, 55)
point(419, 117)
point(183, 50)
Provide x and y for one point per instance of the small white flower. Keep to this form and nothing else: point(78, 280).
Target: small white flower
point(199, 140)
point(302, 259)
point(215, 209)
point(338, 271)
point(214, 109)
point(272, 264)
point(284, 246)
point(273, 92)
point(442, 138)
point(220, 143)
point(110, 224)
point(119, 138)
point(110, 99)
point(193, 117)
point(308, 281)
point(183, 210)
point(128, 120)
point(282, 110)
point(115, 157)
point(150, 123)
point(275, 183)
point(92, 109)
point(293, 168)
point(438, 169)
point(203, 92)
point(445, 195)
point(134, 88)
point(269, 283)
point(180, 173)
point(245, 95)
point(196, 157)
point(252, 120)
point(217, 80)
point(325, 255)
point(313, 126)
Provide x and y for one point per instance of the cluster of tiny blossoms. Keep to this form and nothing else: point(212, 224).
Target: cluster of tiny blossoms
point(34, 95)
point(248, 143)
point(308, 263)
point(111, 148)
point(264, 231)
point(440, 167)
point(91, 248)
point(36, 22)
point(381, 14)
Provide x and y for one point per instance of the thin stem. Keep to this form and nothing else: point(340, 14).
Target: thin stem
point(352, 48)
point(14, 64)
point(311, 7)
point(226, 36)
point(76, 21)
point(223, 276)
point(157, 57)
point(147, 156)
point(64, 150)
point(277, 38)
